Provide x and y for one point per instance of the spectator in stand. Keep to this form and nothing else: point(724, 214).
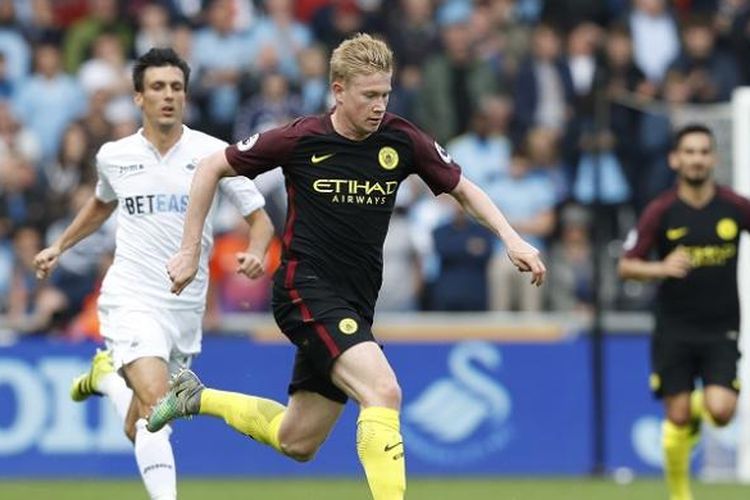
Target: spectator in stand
point(733, 26)
point(463, 248)
point(153, 28)
point(455, 80)
point(528, 201)
point(626, 88)
point(571, 268)
point(313, 80)
point(402, 266)
point(107, 69)
point(17, 138)
point(217, 77)
point(412, 32)
point(272, 107)
point(13, 45)
point(544, 91)
point(230, 291)
point(23, 285)
point(60, 298)
point(42, 26)
point(49, 100)
point(71, 169)
point(546, 158)
point(277, 36)
point(6, 86)
point(22, 199)
point(510, 32)
point(709, 73)
point(338, 20)
point(484, 155)
point(102, 15)
point(656, 41)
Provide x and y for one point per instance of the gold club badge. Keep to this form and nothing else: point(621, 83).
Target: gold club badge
point(726, 229)
point(388, 158)
point(348, 326)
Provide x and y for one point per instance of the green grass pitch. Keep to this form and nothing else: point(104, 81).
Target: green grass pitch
point(419, 489)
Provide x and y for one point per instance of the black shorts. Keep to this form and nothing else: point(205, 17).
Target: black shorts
point(322, 325)
point(676, 363)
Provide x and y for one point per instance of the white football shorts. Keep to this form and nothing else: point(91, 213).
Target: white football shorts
point(173, 335)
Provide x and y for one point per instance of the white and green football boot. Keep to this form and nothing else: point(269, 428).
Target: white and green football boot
point(86, 384)
point(182, 400)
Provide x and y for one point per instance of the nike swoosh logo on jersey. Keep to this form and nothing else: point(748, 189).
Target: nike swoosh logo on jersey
point(315, 159)
point(676, 233)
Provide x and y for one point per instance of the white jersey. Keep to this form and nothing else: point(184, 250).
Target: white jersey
point(152, 195)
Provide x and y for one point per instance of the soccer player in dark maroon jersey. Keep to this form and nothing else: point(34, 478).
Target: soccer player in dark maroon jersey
point(342, 172)
point(694, 231)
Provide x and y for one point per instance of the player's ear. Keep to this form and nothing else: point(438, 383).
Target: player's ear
point(673, 162)
point(138, 99)
point(338, 89)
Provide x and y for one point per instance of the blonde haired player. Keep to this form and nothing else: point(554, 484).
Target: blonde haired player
point(342, 172)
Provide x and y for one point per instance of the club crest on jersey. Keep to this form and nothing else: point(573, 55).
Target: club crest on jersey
point(727, 229)
point(443, 153)
point(248, 143)
point(192, 165)
point(388, 158)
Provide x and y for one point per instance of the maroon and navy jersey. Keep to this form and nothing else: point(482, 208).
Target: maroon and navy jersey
point(341, 193)
point(706, 301)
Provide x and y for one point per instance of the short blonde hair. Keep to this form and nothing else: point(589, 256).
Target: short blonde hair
point(360, 55)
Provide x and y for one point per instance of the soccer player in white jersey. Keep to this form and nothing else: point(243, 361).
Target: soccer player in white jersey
point(149, 331)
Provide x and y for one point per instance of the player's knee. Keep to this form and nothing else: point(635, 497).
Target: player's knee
point(679, 419)
point(722, 415)
point(300, 451)
point(388, 393)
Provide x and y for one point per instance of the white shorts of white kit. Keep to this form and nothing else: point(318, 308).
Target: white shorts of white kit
point(172, 335)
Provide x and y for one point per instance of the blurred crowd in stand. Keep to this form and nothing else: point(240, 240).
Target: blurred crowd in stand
point(536, 99)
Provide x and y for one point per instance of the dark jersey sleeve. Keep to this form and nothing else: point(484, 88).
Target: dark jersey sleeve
point(639, 243)
point(743, 204)
point(263, 151)
point(431, 162)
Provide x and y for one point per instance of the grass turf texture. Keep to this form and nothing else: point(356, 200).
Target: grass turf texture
point(418, 489)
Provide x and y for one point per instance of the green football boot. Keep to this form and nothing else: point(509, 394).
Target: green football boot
point(182, 400)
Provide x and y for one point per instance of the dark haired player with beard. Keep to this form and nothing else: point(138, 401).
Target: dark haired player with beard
point(342, 171)
point(694, 229)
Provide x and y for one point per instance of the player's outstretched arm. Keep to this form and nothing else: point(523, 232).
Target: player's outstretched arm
point(477, 204)
point(250, 262)
point(183, 266)
point(89, 219)
point(675, 265)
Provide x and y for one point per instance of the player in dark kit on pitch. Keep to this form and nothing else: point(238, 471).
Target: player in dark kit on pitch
point(342, 172)
point(694, 229)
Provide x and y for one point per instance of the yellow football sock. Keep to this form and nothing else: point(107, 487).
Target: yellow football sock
point(381, 451)
point(256, 417)
point(677, 445)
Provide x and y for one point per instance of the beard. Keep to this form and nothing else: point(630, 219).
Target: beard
point(696, 181)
